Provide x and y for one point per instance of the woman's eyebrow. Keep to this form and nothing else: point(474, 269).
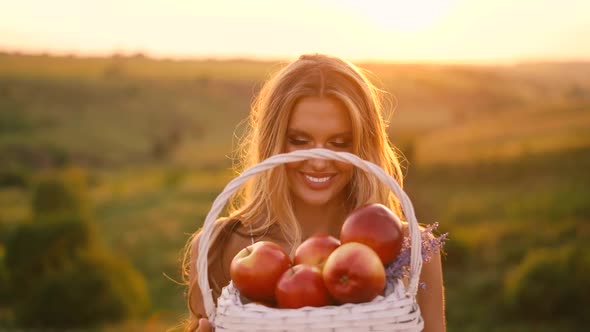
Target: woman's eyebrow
point(345, 134)
point(294, 131)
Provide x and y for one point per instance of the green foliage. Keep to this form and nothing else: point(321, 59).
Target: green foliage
point(517, 247)
point(38, 249)
point(12, 117)
point(99, 288)
point(4, 280)
point(59, 274)
point(457, 251)
point(61, 194)
point(12, 176)
point(550, 283)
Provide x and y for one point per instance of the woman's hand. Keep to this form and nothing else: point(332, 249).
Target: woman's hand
point(204, 326)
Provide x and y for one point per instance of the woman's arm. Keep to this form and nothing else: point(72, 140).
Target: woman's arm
point(229, 240)
point(431, 298)
point(198, 321)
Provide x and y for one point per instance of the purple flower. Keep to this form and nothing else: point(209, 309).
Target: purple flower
point(431, 245)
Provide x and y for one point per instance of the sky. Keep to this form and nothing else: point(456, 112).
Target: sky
point(455, 31)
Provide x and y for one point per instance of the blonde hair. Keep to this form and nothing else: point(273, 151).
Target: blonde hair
point(265, 201)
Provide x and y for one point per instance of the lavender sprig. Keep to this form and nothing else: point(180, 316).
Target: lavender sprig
point(431, 245)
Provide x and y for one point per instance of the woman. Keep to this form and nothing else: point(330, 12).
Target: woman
point(317, 101)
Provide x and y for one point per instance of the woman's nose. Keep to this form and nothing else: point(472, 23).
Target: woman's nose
point(318, 164)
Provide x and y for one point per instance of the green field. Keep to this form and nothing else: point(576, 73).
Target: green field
point(498, 155)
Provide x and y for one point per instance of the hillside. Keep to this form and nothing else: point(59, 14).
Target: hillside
point(131, 110)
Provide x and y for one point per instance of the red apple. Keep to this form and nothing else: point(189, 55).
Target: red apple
point(354, 274)
point(376, 226)
point(316, 249)
point(256, 270)
point(302, 286)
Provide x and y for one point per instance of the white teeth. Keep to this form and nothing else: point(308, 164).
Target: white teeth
point(319, 180)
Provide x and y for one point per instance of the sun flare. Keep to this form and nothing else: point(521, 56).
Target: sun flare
point(401, 15)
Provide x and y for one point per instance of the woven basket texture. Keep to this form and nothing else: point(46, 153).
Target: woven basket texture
point(396, 310)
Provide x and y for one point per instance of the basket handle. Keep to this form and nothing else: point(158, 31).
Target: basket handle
point(299, 155)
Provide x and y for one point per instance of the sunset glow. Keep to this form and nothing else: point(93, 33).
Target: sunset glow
point(395, 30)
point(399, 15)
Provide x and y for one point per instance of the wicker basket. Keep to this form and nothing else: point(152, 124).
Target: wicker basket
point(396, 310)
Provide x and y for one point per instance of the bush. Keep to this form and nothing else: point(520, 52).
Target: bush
point(34, 250)
point(4, 289)
point(5, 295)
point(13, 176)
point(457, 250)
point(61, 194)
point(58, 275)
point(100, 288)
point(550, 284)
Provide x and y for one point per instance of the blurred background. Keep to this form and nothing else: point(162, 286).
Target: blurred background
point(118, 123)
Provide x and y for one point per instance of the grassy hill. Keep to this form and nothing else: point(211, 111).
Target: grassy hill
point(198, 106)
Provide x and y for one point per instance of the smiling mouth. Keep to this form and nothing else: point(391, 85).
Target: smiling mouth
point(318, 180)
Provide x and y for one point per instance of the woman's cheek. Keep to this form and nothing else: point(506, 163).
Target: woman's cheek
point(344, 167)
point(293, 165)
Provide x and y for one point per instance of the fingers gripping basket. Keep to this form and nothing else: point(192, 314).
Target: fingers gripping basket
point(397, 310)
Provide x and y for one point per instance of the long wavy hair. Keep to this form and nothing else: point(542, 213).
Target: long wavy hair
point(265, 201)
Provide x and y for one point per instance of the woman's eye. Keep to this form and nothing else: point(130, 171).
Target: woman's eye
point(341, 145)
point(296, 141)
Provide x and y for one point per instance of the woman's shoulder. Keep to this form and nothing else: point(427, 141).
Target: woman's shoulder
point(235, 236)
point(241, 234)
point(230, 235)
point(229, 226)
point(225, 231)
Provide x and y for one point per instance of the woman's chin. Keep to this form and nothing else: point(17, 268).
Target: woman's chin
point(316, 200)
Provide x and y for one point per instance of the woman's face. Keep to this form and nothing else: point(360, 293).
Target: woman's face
point(319, 122)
